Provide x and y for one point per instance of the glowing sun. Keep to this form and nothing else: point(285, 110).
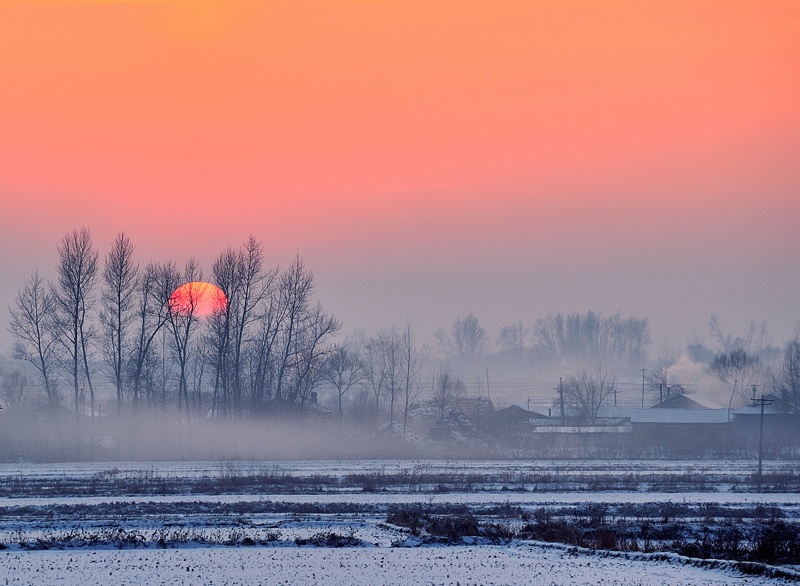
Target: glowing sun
point(197, 298)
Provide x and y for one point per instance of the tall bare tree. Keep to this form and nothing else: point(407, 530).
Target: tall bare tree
point(447, 390)
point(376, 371)
point(469, 336)
point(74, 294)
point(311, 352)
point(512, 339)
point(389, 344)
point(739, 371)
point(344, 370)
point(294, 291)
point(255, 285)
point(32, 323)
point(183, 318)
point(151, 315)
point(410, 368)
point(226, 276)
point(241, 275)
point(587, 390)
point(120, 280)
point(786, 383)
point(13, 388)
point(592, 336)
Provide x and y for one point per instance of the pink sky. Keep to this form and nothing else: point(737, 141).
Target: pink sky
point(426, 158)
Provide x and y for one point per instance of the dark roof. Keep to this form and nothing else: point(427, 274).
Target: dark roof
point(679, 401)
point(515, 414)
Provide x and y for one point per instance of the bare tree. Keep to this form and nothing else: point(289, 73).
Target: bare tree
point(255, 285)
point(343, 371)
point(240, 274)
point(756, 339)
point(512, 339)
point(587, 390)
point(262, 351)
point(120, 279)
point(786, 383)
point(32, 324)
point(410, 372)
point(390, 344)
point(73, 291)
point(738, 370)
point(311, 353)
point(218, 341)
point(294, 292)
point(14, 388)
point(591, 336)
point(444, 343)
point(151, 315)
point(468, 336)
point(377, 371)
point(446, 391)
point(183, 318)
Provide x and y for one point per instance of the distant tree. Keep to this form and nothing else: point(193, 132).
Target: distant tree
point(32, 324)
point(120, 279)
point(410, 368)
point(444, 343)
point(468, 336)
point(738, 370)
point(591, 336)
point(756, 339)
point(587, 390)
point(512, 339)
point(377, 369)
point(74, 294)
point(14, 387)
point(391, 346)
point(786, 382)
point(343, 371)
point(446, 391)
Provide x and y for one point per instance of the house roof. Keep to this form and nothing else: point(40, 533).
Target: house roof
point(679, 401)
point(666, 415)
point(515, 414)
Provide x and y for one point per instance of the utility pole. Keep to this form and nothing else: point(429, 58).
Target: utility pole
point(760, 401)
point(561, 395)
point(642, 388)
point(488, 394)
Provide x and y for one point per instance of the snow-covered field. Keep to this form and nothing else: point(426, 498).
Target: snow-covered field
point(521, 564)
point(321, 522)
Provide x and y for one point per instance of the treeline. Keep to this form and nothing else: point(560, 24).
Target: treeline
point(585, 337)
point(264, 349)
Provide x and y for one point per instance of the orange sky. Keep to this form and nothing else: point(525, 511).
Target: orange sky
point(390, 142)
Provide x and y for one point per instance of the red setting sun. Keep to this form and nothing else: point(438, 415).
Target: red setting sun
point(198, 298)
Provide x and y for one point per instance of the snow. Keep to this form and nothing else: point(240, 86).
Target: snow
point(213, 551)
point(485, 564)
